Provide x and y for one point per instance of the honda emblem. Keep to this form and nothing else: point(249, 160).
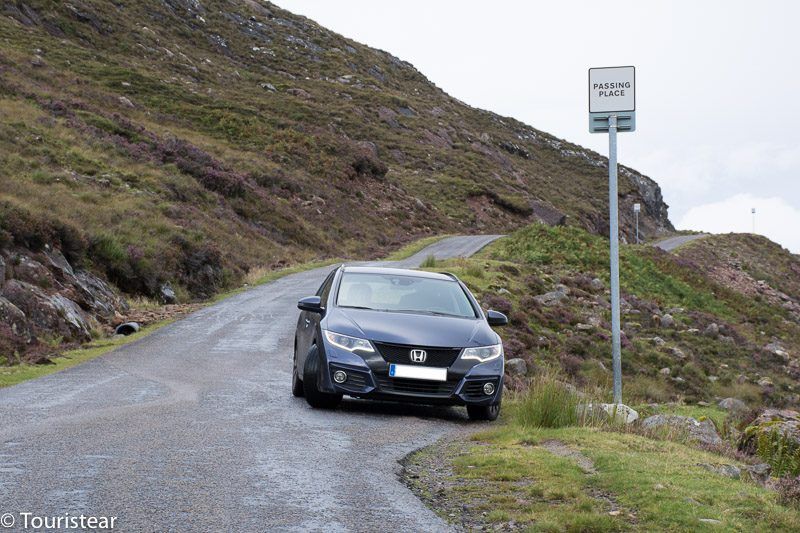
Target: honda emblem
point(418, 356)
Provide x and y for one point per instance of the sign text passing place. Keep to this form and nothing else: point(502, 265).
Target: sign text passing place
point(612, 89)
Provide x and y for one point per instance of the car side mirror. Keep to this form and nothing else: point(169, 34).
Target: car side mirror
point(496, 318)
point(312, 304)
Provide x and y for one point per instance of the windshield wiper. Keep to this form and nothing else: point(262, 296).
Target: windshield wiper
point(424, 312)
point(359, 307)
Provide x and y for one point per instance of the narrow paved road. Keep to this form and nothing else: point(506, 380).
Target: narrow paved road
point(194, 428)
point(672, 243)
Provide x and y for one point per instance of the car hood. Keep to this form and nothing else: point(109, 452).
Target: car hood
point(415, 329)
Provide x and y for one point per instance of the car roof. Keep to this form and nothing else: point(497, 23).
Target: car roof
point(399, 272)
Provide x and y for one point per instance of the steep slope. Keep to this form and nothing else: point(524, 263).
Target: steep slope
point(185, 142)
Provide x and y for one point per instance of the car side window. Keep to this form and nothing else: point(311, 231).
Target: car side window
point(325, 288)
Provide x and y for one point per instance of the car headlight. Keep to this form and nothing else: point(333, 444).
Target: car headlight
point(351, 344)
point(484, 353)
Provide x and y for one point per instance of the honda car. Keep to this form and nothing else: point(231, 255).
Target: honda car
point(398, 335)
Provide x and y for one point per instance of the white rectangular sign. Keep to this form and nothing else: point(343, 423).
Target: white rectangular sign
point(612, 89)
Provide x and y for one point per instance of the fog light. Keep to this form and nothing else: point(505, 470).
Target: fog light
point(340, 377)
point(488, 389)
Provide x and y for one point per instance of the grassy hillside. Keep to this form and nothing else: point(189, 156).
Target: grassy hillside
point(190, 141)
point(713, 339)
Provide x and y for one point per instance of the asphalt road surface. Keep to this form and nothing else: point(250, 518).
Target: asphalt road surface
point(672, 243)
point(194, 428)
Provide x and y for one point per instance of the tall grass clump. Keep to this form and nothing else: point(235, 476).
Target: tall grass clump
point(429, 262)
point(549, 403)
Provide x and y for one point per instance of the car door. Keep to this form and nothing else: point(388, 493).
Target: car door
point(308, 323)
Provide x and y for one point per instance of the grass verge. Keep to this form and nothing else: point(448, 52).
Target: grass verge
point(11, 375)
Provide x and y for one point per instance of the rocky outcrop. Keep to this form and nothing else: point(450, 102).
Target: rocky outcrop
point(694, 430)
point(43, 297)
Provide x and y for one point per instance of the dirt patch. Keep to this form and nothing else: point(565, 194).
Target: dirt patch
point(556, 447)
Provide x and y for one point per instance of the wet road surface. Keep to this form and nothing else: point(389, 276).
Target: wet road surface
point(194, 428)
point(672, 243)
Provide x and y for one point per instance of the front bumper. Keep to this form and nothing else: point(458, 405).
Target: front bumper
point(368, 377)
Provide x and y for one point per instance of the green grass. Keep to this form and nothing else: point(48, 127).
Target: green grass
point(654, 485)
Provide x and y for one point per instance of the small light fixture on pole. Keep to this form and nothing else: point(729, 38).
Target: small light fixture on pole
point(753, 212)
point(636, 209)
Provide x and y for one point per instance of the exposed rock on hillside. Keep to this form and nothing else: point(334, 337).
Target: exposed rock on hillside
point(43, 298)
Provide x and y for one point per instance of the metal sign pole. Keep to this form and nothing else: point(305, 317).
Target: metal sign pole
point(614, 238)
point(636, 214)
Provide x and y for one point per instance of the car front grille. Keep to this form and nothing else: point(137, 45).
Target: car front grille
point(401, 354)
point(416, 386)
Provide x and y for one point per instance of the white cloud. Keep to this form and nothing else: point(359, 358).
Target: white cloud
point(774, 218)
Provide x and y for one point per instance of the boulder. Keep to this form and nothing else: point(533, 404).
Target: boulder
point(783, 422)
point(775, 348)
point(617, 412)
point(758, 474)
point(727, 470)
point(552, 298)
point(667, 321)
point(694, 430)
point(516, 367)
point(48, 315)
point(166, 294)
point(12, 316)
point(712, 330)
point(95, 295)
point(31, 271)
point(734, 405)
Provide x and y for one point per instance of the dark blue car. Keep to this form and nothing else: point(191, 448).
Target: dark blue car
point(398, 335)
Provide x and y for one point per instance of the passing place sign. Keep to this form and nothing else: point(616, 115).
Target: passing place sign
point(612, 89)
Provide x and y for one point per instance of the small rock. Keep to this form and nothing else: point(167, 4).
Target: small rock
point(167, 294)
point(678, 353)
point(516, 367)
point(268, 86)
point(667, 321)
point(596, 284)
point(503, 290)
point(710, 520)
point(765, 382)
point(584, 327)
point(703, 404)
point(712, 330)
point(665, 371)
point(124, 100)
point(658, 341)
point(551, 298)
point(758, 474)
point(659, 486)
point(733, 405)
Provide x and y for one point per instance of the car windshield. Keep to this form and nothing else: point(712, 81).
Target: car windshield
point(404, 294)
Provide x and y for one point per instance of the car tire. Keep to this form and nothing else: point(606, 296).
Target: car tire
point(314, 396)
point(297, 383)
point(484, 412)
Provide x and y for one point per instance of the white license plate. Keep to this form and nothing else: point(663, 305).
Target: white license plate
point(418, 372)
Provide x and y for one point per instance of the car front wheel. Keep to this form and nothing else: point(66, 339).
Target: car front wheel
point(297, 383)
point(483, 412)
point(314, 396)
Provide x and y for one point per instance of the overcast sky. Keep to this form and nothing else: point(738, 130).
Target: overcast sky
point(718, 86)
